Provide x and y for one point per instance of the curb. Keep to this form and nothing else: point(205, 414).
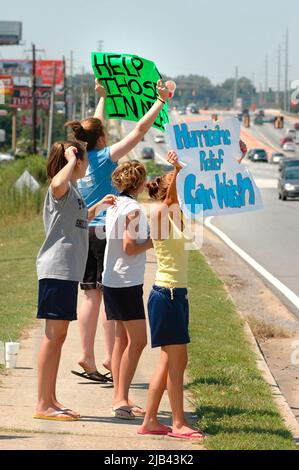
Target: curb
point(279, 399)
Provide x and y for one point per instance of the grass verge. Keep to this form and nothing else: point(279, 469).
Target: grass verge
point(20, 241)
point(232, 400)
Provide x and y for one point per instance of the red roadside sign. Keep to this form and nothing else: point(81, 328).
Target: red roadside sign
point(6, 85)
point(45, 71)
point(22, 97)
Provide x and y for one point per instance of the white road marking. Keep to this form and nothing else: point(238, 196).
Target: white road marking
point(290, 295)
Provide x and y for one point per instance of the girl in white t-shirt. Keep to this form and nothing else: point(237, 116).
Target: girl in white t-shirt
point(127, 235)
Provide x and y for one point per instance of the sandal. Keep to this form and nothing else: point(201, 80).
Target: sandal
point(57, 416)
point(96, 376)
point(123, 412)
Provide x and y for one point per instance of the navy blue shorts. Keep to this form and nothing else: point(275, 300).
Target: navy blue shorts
point(168, 312)
point(124, 303)
point(57, 299)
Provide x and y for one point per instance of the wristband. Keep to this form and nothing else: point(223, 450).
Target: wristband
point(162, 101)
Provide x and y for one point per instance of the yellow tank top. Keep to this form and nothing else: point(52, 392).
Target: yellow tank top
point(172, 258)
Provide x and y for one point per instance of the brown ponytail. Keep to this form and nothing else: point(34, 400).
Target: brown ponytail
point(157, 188)
point(89, 130)
point(57, 160)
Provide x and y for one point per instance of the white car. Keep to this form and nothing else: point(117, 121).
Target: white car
point(275, 157)
point(160, 139)
point(289, 147)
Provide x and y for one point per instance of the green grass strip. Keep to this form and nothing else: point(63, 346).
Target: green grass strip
point(19, 244)
point(233, 402)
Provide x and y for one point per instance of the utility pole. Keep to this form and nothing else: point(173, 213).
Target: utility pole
point(51, 116)
point(34, 103)
point(286, 72)
point(71, 88)
point(100, 49)
point(235, 88)
point(278, 76)
point(33, 51)
point(266, 79)
point(65, 85)
point(83, 95)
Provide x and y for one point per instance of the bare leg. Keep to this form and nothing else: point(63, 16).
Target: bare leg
point(155, 394)
point(88, 322)
point(55, 401)
point(109, 339)
point(121, 342)
point(48, 363)
point(177, 363)
point(136, 334)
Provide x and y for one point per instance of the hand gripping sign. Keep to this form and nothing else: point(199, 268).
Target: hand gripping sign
point(130, 82)
point(212, 181)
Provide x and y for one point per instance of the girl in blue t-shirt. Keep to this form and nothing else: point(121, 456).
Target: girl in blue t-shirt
point(96, 184)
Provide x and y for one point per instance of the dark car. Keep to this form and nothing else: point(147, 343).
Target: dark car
point(194, 110)
point(288, 183)
point(148, 153)
point(287, 162)
point(296, 126)
point(257, 155)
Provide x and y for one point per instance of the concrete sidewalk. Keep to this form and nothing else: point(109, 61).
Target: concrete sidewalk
point(97, 429)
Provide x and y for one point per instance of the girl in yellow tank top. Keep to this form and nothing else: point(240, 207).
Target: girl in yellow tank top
point(168, 308)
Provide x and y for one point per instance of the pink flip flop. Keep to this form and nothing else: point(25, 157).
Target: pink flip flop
point(163, 431)
point(196, 434)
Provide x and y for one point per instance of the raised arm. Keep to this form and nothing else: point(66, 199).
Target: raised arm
point(120, 149)
point(172, 195)
point(100, 109)
point(60, 182)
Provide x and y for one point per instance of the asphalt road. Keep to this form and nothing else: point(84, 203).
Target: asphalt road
point(270, 236)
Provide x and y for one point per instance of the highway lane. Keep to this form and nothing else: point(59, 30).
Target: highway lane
point(270, 236)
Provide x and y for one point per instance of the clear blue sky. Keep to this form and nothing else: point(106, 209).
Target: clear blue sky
point(188, 36)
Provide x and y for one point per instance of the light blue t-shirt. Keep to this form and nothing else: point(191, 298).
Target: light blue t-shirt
point(97, 182)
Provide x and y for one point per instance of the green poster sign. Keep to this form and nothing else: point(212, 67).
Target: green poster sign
point(130, 82)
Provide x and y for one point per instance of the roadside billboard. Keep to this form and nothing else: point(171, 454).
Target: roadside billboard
point(22, 97)
point(10, 33)
point(21, 71)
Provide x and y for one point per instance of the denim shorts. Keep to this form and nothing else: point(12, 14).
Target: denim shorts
point(57, 299)
point(168, 312)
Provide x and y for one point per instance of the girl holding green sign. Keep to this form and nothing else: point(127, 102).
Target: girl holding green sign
point(97, 183)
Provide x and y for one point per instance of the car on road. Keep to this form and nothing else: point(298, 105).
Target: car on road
point(288, 162)
point(289, 147)
point(275, 157)
point(194, 110)
point(296, 126)
point(5, 157)
point(268, 119)
point(258, 120)
point(291, 133)
point(182, 111)
point(286, 139)
point(159, 139)
point(147, 153)
point(257, 155)
point(288, 183)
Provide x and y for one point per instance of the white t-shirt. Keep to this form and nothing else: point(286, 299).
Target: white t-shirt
point(120, 269)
